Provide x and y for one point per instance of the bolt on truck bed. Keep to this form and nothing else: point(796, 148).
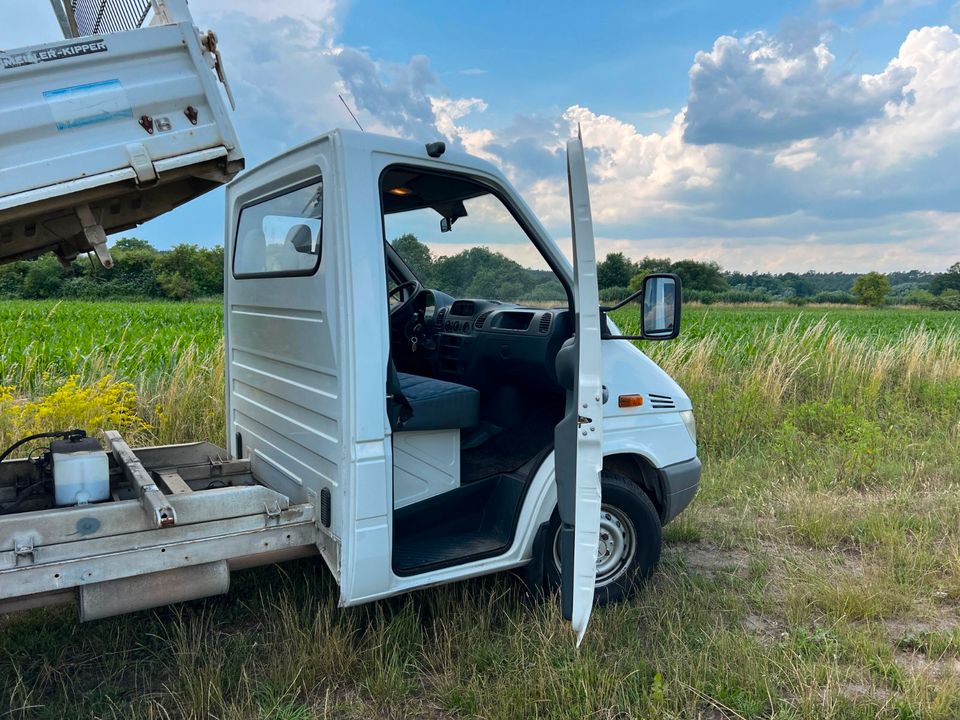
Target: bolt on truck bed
point(101, 132)
point(179, 519)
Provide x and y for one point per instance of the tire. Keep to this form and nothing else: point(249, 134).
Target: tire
point(630, 527)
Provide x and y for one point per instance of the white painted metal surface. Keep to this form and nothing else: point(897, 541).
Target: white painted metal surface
point(589, 394)
point(424, 464)
point(285, 383)
point(356, 311)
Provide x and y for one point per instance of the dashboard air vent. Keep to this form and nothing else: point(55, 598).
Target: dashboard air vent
point(545, 320)
point(441, 314)
point(661, 401)
point(482, 319)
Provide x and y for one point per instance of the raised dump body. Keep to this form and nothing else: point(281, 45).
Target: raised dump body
point(101, 132)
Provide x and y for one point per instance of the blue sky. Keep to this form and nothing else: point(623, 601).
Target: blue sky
point(766, 136)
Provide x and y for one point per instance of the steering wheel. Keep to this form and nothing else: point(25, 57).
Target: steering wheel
point(412, 285)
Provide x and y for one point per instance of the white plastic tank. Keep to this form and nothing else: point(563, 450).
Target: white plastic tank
point(81, 471)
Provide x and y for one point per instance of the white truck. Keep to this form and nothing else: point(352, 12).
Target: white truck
point(408, 437)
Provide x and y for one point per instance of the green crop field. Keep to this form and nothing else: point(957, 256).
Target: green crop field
point(816, 575)
point(44, 341)
point(41, 342)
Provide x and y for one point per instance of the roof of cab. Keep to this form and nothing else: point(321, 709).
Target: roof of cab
point(353, 140)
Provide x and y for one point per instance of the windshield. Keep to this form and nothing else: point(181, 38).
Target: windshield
point(459, 237)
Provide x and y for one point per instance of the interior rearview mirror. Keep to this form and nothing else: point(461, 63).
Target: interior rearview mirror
point(661, 307)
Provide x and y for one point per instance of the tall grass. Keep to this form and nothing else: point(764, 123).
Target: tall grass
point(180, 402)
point(745, 390)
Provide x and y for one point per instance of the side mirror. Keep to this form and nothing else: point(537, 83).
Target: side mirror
point(301, 235)
point(661, 307)
point(301, 238)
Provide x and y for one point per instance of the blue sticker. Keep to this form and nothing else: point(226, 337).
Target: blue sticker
point(87, 104)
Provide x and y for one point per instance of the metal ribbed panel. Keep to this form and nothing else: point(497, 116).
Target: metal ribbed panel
point(96, 17)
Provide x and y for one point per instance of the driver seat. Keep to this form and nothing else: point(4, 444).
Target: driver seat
point(437, 404)
point(426, 416)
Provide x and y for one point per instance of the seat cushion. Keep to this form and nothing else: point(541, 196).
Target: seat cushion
point(439, 405)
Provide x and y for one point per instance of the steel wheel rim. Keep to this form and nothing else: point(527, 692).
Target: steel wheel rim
point(616, 546)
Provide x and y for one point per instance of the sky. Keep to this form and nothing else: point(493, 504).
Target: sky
point(788, 136)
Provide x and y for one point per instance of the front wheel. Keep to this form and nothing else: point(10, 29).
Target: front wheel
point(629, 545)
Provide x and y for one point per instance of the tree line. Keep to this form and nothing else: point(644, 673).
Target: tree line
point(707, 282)
point(480, 272)
point(140, 271)
point(187, 272)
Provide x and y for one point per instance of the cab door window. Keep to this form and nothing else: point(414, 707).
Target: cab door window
point(282, 235)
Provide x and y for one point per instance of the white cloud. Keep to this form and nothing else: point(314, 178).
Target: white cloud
point(929, 115)
point(888, 10)
point(759, 90)
point(27, 24)
point(446, 113)
point(797, 156)
point(780, 161)
point(650, 114)
point(830, 6)
point(287, 68)
point(397, 95)
point(318, 17)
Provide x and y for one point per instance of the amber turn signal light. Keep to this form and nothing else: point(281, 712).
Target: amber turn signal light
point(630, 401)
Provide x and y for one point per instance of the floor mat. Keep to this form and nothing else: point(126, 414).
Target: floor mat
point(510, 449)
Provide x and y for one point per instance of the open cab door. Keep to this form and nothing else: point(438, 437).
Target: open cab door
point(579, 436)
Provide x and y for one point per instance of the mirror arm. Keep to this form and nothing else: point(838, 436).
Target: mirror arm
point(605, 333)
point(631, 298)
point(605, 329)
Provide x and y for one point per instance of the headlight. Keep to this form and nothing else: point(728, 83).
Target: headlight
point(691, 424)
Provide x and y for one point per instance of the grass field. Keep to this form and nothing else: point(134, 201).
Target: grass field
point(817, 574)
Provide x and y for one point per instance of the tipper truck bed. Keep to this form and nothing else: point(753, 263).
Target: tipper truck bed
point(101, 132)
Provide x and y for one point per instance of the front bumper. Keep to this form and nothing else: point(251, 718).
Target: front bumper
point(679, 483)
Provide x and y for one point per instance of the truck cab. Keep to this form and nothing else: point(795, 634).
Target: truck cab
point(444, 436)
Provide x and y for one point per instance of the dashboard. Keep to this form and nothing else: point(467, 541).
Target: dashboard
point(487, 342)
point(468, 316)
